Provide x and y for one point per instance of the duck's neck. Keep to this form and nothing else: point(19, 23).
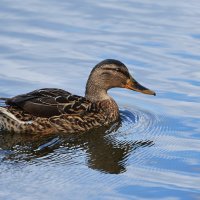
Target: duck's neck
point(96, 93)
point(99, 96)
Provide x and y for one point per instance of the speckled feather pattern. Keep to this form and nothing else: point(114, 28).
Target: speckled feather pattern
point(91, 115)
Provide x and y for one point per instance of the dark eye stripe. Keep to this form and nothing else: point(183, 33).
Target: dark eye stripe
point(120, 71)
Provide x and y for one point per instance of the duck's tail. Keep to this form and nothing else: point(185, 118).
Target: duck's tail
point(9, 122)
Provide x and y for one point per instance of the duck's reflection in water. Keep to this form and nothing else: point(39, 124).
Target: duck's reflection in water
point(103, 153)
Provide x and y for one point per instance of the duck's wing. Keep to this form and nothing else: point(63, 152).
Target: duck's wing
point(49, 102)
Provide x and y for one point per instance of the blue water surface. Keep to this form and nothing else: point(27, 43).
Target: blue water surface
point(155, 153)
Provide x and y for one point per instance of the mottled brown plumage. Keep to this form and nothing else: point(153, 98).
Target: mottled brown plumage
point(52, 110)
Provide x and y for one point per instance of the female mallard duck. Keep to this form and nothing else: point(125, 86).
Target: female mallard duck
point(54, 110)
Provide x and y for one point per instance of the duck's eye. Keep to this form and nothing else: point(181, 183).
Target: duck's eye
point(106, 73)
point(117, 69)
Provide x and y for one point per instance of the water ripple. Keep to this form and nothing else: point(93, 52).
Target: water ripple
point(155, 149)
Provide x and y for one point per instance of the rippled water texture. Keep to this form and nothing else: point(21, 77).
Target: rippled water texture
point(155, 152)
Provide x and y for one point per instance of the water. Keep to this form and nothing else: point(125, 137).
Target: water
point(154, 153)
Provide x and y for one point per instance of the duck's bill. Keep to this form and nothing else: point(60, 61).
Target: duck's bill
point(132, 84)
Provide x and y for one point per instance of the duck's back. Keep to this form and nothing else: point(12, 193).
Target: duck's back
point(46, 103)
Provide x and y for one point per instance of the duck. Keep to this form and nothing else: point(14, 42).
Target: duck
point(52, 110)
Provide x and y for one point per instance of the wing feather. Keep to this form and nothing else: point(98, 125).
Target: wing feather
point(49, 102)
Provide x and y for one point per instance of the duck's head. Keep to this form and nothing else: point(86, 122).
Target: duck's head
point(109, 74)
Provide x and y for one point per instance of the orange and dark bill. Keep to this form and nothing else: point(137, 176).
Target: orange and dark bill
point(132, 84)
